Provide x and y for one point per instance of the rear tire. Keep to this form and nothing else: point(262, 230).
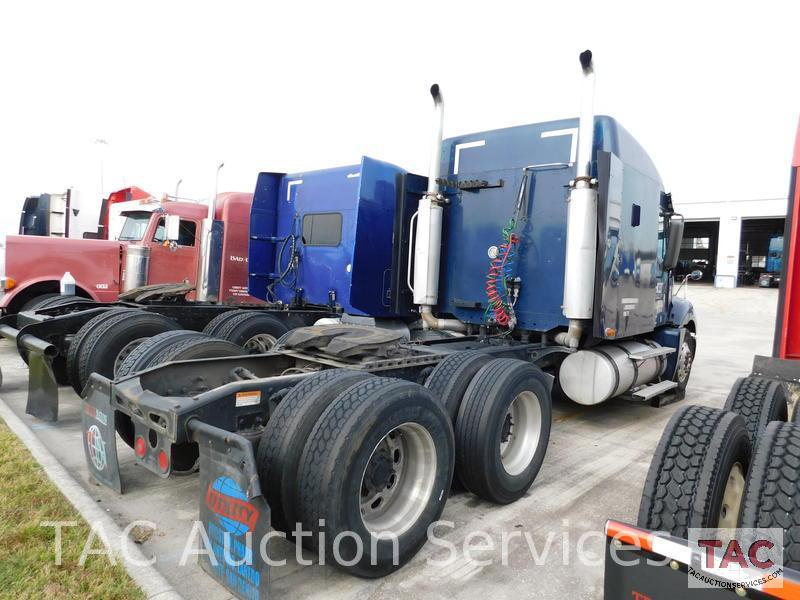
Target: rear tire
point(61, 300)
point(255, 331)
point(76, 344)
point(279, 343)
point(214, 324)
point(450, 378)
point(141, 357)
point(759, 401)
point(696, 477)
point(377, 468)
point(37, 301)
point(772, 494)
point(503, 429)
point(99, 351)
point(286, 434)
point(192, 348)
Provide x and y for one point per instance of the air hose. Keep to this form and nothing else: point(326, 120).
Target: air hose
point(501, 268)
point(287, 277)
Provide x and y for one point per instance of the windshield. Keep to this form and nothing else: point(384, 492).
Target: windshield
point(134, 226)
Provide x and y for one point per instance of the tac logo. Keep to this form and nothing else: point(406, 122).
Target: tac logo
point(226, 499)
point(735, 557)
point(719, 555)
point(97, 448)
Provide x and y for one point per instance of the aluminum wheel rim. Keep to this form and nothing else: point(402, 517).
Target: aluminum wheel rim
point(684, 362)
point(522, 429)
point(125, 352)
point(732, 498)
point(260, 343)
point(398, 480)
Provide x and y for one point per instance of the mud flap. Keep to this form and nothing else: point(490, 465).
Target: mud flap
point(99, 435)
point(42, 383)
point(42, 388)
point(786, 370)
point(233, 512)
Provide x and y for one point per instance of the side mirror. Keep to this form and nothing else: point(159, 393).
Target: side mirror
point(173, 223)
point(674, 242)
point(696, 275)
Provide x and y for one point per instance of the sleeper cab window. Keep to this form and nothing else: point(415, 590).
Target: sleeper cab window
point(322, 229)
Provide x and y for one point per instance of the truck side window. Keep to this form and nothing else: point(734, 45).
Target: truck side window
point(322, 229)
point(187, 234)
point(161, 232)
point(662, 235)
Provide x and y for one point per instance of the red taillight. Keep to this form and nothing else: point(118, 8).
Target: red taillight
point(163, 461)
point(140, 447)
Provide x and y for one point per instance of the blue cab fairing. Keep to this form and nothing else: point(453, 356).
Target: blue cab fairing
point(339, 224)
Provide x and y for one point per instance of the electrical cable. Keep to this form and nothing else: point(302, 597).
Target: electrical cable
point(290, 269)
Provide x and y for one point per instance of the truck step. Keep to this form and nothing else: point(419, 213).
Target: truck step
point(660, 351)
point(655, 389)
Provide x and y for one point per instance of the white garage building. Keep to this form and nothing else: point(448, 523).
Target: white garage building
point(729, 240)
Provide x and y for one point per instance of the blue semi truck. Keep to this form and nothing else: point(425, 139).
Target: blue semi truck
point(771, 277)
point(530, 262)
point(719, 515)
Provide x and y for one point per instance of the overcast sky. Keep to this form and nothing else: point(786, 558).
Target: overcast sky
point(710, 89)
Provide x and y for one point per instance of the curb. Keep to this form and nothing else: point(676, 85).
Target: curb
point(149, 580)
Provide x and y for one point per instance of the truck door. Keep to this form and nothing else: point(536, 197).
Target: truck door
point(174, 262)
point(326, 253)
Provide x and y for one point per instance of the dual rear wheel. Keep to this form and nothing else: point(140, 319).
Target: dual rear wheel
point(501, 411)
point(96, 346)
point(369, 460)
point(109, 344)
point(52, 300)
point(255, 331)
point(738, 467)
point(365, 460)
point(696, 478)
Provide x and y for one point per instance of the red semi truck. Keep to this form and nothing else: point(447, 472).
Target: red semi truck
point(170, 265)
point(159, 242)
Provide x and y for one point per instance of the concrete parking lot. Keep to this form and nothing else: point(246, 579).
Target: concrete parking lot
point(594, 470)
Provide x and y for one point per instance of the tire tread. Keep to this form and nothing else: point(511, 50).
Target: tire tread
point(680, 481)
point(772, 492)
point(759, 401)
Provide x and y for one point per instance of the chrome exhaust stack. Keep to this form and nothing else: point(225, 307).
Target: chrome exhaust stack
point(428, 243)
point(586, 122)
point(579, 269)
point(207, 283)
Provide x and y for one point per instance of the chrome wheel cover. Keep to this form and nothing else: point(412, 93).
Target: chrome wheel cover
point(522, 428)
point(398, 480)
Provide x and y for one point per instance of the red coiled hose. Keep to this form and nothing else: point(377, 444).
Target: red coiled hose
point(497, 270)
